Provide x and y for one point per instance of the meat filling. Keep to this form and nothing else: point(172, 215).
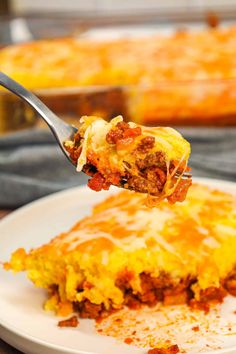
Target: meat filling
point(150, 167)
point(156, 289)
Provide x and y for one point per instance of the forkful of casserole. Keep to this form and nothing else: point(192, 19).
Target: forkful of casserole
point(150, 160)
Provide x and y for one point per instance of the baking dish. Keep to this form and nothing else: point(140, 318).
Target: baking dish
point(150, 80)
point(203, 103)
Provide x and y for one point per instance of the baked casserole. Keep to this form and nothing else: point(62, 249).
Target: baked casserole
point(187, 77)
point(126, 254)
point(151, 160)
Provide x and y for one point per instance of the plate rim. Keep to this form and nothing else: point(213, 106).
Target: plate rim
point(84, 188)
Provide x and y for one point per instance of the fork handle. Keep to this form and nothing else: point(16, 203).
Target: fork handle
point(57, 125)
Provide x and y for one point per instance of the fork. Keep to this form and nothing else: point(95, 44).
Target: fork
point(60, 129)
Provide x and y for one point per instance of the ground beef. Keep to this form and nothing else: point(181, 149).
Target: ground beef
point(208, 296)
point(151, 180)
point(132, 301)
point(146, 144)
point(70, 322)
point(150, 293)
point(198, 305)
point(89, 169)
point(114, 135)
point(123, 279)
point(143, 185)
point(213, 294)
point(88, 310)
point(122, 131)
point(75, 151)
point(230, 284)
point(156, 175)
point(153, 290)
point(172, 349)
point(156, 159)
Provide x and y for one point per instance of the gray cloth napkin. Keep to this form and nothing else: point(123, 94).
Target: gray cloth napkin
point(7, 349)
point(32, 165)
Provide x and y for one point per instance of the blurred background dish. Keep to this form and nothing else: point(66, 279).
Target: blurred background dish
point(184, 78)
point(164, 64)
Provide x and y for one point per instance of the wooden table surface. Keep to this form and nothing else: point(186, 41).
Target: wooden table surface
point(4, 212)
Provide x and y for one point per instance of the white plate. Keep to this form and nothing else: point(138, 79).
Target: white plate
point(23, 323)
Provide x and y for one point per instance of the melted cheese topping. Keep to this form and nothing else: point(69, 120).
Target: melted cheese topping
point(94, 131)
point(201, 221)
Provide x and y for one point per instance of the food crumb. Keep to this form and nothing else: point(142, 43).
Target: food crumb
point(69, 322)
point(128, 340)
point(195, 328)
point(173, 349)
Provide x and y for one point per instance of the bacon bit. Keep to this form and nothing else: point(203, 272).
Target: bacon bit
point(196, 328)
point(70, 322)
point(97, 182)
point(173, 349)
point(100, 330)
point(128, 340)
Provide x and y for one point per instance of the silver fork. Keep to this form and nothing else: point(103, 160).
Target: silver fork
point(61, 130)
